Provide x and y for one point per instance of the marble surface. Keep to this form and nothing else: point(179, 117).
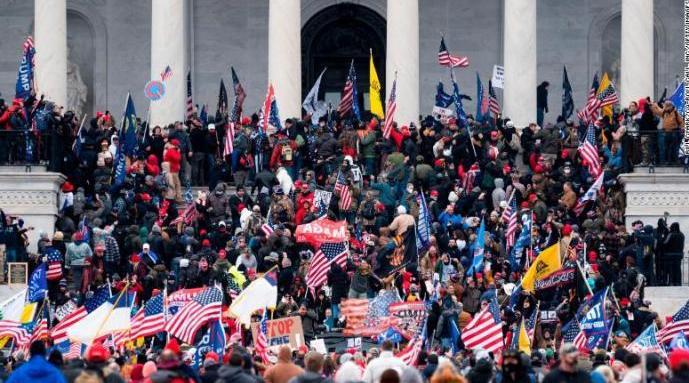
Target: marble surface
point(403, 57)
point(50, 38)
point(636, 68)
point(284, 55)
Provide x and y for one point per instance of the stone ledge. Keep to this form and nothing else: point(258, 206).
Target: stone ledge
point(666, 300)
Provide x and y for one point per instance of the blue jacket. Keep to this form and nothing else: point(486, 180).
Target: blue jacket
point(37, 370)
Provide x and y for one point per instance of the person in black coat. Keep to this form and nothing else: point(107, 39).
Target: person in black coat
point(337, 279)
point(541, 102)
point(674, 252)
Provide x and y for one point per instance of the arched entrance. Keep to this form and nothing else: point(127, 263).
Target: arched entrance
point(332, 38)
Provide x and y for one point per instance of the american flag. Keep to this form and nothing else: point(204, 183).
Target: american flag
point(342, 189)
point(28, 43)
point(589, 152)
point(267, 229)
point(190, 100)
point(447, 60)
point(239, 96)
point(485, 330)
point(590, 194)
point(74, 351)
point(261, 343)
point(205, 307)
point(493, 103)
point(390, 110)
point(572, 333)
point(228, 148)
point(327, 253)
point(40, 330)
point(530, 323)
point(410, 354)
point(608, 96)
point(590, 110)
point(150, 319)
point(166, 74)
point(470, 177)
point(680, 322)
point(54, 264)
point(188, 216)
point(97, 298)
point(511, 231)
point(264, 115)
point(14, 330)
point(349, 103)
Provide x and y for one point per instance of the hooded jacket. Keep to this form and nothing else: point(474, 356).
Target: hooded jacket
point(37, 370)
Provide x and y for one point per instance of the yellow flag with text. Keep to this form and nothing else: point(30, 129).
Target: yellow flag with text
point(546, 263)
point(374, 91)
point(524, 342)
point(604, 83)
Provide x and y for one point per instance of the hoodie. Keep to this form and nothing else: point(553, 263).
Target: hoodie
point(37, 370)
point(232, 374)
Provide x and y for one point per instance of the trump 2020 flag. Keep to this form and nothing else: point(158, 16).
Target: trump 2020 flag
point(213, 340)
point(423, 230)
point(38, 284)
point(594, 322)
point(25, 74)
point(647, 342)
point(129, 127)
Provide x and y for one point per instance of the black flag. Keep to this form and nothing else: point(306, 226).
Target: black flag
point(222, 102)
point(567, 101)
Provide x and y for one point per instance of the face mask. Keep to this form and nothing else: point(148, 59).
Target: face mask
point(461, 244)
point(447, 152)
point(410, 190)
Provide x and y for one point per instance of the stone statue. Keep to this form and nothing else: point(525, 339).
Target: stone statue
point(76, 89)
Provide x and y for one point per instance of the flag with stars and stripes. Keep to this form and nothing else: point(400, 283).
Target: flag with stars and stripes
point(166, 74)
point(572, 334)
point(485, 330)
point(205, 307)
point(493, 103)
point(14, 330)
point(590, 111)
point(190, 100)
point(410, 354)
point(265, 112)
point(588, 150)
point(512, 214)
point(390, 110)
point(228, 147)
point(530, 323)
point(239, 96)
point(350, 102)
point(54, 258)
point(328, 253)
point(150, 319)
point(680, 322)
point(93, 301)
point(647, 342)
point(447, 60)
point(74, 351)
point(590, 195)
point(261, 344)
point(343, 190)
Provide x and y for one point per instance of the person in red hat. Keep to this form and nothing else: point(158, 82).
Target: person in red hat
point(173, 157)
point(679, 365)
point(170, 367)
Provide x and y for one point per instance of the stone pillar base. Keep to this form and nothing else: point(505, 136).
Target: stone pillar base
point(33, 197)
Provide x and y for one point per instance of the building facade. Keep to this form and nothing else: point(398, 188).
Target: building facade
point(106, 48)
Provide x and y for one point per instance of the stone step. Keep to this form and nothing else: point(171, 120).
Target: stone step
point(23, 169)
point(666, 300)
point(660, 169)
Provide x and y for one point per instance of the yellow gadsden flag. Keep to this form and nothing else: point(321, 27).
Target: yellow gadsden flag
point(374, 91)
point(524, 342)
point(546, 263)
point(604, 84)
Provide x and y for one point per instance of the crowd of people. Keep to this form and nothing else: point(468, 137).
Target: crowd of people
point(150, 234)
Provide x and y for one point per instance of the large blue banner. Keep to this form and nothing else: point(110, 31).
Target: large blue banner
point(25, 73)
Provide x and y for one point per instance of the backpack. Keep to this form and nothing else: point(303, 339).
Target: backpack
point(286, 152)
point(369, 210)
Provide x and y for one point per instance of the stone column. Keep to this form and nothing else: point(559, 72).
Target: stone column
point(402, 56)
point(50, 39)
point(168, 47)
point(636, 69)
point(520, 61)
point(284, 55)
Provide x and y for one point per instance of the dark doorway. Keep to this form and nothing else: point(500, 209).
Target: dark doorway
point(335, 36)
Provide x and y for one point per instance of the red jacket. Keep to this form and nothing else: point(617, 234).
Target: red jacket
point(174, 157)
point(275, 158)
point(152, 167)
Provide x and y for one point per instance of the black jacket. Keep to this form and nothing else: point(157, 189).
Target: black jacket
point(230, 374)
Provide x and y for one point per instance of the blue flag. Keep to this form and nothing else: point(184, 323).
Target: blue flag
point(647, 342)
point(442, 99)
point(129, 128)
point(390, 334)
point(522, 242)
point(593, 320)
point(38, 283)
point(454, 334)
point(677, 98)
point(213, 340)
point(423, 230)
point(679, 341)
point(479, 99)
point(25, 74)
point(567, 100)
point(479, 249)
point(203, 115)
point(461, 115)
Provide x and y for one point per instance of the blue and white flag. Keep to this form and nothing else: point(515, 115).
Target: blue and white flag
point(593, 320)
point(677, 98)
point(311, 105)
point(213, 340)
point(524, 241)
point(461, 115)
point(479, 249)
point(25, 74)
point(679, 341)
point(423, 229)
point(647, 342)
point(390, 334)
point(38, 284)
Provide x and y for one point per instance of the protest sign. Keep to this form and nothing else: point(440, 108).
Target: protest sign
point(282, 331)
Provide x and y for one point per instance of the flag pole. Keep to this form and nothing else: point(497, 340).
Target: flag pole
point(124, 291)
point(584, 276)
